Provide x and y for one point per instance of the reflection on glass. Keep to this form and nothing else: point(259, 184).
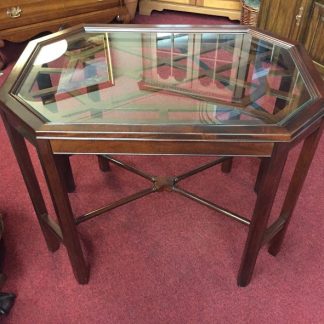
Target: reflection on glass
point(51, 52)
point(164, 78)
point(171, 53)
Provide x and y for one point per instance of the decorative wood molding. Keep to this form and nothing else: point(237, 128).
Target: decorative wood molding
point(229, 8)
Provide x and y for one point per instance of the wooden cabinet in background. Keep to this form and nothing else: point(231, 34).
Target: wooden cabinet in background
point(23, 19)
point(314, 41)
point(284, 17)
point(298, 20)
point(226, 8)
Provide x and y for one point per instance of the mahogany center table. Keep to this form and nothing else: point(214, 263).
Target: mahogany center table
point(110, 90)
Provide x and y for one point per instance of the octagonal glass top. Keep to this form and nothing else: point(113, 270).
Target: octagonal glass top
point(155, 78)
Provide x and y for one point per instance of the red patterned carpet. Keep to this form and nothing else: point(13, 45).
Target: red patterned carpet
point(163, 259)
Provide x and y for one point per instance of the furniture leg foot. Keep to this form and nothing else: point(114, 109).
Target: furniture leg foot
point(227, 165)
point(52, 242)
point(82, 275)
point(103, 164)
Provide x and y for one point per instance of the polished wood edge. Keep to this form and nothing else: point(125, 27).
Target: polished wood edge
point(310, 118)
point(23, 128)
point(166, 28)
point(304, 132)
point(144, 147)
point(271, 37)
point(154, 132)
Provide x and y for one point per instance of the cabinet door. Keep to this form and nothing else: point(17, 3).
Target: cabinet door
point(285, 18)
point(37, 11)
point(314, 42)
point(13, 15)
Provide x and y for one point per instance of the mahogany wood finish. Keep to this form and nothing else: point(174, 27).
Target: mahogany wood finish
point(266, 195)
point(103, 164)
point(298, 178)
point(262, 170)
point(227, 166)
point(64, 166)
point(55, 142)
point(28, 173)
point(63, 210)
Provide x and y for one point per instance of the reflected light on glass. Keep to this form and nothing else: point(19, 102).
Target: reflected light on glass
point(162, 35)
point(51, 52)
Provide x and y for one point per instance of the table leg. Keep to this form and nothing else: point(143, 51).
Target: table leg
point(304, 161)
point(103, 164)
point(262, 170)
point(63, 162)
point(267, 192)
point(64, 211)
point(28, 173)
point(227, 165)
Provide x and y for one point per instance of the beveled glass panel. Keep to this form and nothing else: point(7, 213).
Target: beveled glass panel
point(163, 78)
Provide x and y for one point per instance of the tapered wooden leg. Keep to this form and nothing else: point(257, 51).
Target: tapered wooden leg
point(64, 165)
point(64, 212)
point(103, 164)
point(28, 173)
point(295, 186)
point(227, 165)
point(268, 188)
point(262, 170)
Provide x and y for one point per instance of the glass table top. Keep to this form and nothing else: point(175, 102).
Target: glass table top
point(158, 78)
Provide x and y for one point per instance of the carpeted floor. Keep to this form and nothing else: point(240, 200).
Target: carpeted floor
point(163, 259)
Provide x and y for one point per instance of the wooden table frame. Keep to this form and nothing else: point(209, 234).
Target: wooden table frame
point(55, 145)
